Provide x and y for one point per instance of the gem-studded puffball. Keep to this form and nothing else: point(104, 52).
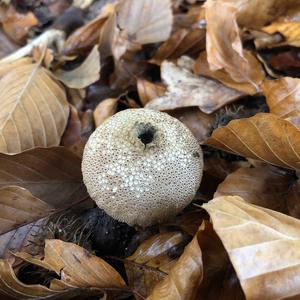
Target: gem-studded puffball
point(142, 166)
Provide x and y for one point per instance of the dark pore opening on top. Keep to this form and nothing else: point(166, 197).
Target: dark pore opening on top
point(145, 132)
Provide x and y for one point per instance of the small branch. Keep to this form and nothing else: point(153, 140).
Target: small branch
point(50, 37)
point(82, 4)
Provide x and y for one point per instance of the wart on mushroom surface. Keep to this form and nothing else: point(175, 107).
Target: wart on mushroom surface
point(140, 166)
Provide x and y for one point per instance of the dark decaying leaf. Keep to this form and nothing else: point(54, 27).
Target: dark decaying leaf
point(24, 238)
point(185, 276)
point(18, 206)
point(50, 174)
point(152, 261)
point(6, 45)
point(198, 122)
point(264, 186)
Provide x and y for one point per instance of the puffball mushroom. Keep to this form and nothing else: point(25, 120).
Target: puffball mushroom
point(142, 166)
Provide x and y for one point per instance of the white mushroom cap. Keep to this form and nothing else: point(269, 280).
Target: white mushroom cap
point(142, 166)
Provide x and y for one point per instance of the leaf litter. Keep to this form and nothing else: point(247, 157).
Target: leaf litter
point(229, 70)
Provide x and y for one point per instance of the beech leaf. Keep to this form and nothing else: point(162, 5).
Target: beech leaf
point(87, 73)
point(265, 137)
point(50, 174)
point(186, 89)
point(18, 206)
point(151, 262)
point(34, 110)
point(261, 186)
point(185, 276)
point(76, 266)
point(263, 246)
point(283, 97)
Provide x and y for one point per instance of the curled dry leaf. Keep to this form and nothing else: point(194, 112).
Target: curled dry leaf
point(148, 90)
point(198, 122)
point(17, 25)
point(76, 266)
point(264, 137)
point(104, 110)
point(223, 43)
point(182, 42)
point(87, 73)
point(263, 186)
point(290, 31)
point(50, 174)
point(152, 261)
point(283, 97)
point(78, 270)
point(87, 36)
point(34, 109)
point(185, 89)
point(201, 67)
point(184, 278)
point(12, 288)
point(19, 206)
point(262, 244)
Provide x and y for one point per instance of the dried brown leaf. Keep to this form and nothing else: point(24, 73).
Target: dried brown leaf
point(182, 42)
point(282, 97)
point(81, 273)
point(19, 206)
point(288, 30)
point(201, 67)
point(17, 25)
point(224, 46)
point(12, 288)
point(264, 137)
point(260, 186)
point(198, 122)
point(140, 23)
point(185, 89)
point(184, 278)
point(76, 266)
point(104, 110)
point(87, 36)
point(34, 109)
point(148, 90)
point(263, 246)
point(249, 16)
point(151, 262)
point(72, 137)
point(87, 73)
point(50, 174)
